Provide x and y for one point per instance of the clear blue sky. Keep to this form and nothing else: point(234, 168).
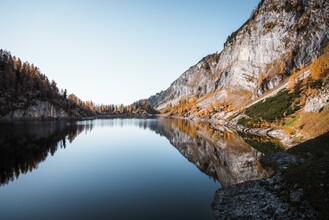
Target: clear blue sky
point(117, 51)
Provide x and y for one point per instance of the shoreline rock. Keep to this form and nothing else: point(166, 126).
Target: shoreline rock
point(298, 189)
point(260, 199)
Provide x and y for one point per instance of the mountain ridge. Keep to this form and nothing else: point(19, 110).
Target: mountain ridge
point(278, 46)
point(254, 45)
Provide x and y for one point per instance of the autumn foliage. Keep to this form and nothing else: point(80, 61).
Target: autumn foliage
point(22, 84)
point(320, 67)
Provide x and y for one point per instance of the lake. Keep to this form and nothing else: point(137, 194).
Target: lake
point(120, 168)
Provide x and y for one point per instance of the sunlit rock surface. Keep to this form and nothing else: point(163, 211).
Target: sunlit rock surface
point(289, 32)
point(317, 102)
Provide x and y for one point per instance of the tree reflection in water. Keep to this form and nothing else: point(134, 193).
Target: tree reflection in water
point(215, 150)
point(24, 145)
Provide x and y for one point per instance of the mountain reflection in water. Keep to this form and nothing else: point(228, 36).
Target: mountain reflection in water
point(215, 150)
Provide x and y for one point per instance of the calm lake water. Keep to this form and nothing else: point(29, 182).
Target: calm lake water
point(120, 168)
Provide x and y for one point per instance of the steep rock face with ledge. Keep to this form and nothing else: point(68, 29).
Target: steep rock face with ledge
point(279, 36)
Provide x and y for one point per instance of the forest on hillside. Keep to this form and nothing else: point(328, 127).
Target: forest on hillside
point(23, 84)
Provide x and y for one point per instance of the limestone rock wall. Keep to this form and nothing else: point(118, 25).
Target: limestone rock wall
point(288, 32)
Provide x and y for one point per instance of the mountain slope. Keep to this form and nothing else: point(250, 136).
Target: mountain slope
point(279, 36)
point(26, 93)
point(272, 73)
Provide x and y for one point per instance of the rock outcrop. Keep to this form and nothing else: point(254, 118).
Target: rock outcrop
point(298, 189)
point(259, 199)
point(40, 110)
point(278, 36)
point(317, 102)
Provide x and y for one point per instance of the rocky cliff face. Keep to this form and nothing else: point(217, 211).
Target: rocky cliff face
point(279, 36)
point(40, 110)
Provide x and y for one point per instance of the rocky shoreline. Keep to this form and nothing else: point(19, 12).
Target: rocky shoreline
point(298, 189)
point(259, 199)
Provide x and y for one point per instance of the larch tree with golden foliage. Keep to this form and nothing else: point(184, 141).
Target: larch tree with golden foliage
point(320, 67)
point(292, 79)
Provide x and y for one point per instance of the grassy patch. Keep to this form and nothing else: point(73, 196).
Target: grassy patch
point(273, 108)
point(290, 123)
point(270, 110)
point(312, 124)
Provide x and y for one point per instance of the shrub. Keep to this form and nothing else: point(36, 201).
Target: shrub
point(268, 26)
point(288, 6)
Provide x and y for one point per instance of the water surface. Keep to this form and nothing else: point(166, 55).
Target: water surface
point(119, 168)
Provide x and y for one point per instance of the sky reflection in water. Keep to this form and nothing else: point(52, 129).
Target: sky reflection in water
point(119, 169)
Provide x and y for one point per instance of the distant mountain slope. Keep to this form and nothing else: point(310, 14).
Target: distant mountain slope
point(279, 36)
